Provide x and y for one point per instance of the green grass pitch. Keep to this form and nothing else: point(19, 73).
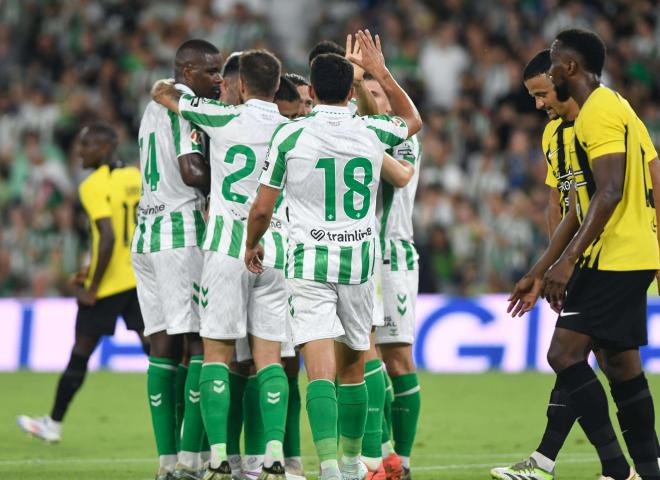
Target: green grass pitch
point(469, 424)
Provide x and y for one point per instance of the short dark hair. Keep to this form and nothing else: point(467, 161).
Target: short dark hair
point(588, 45)
point(326, 46)
point(297, 80)
point(287, 91)
point(231, 64)
point(332, 77)
point(260, 70)
point(189, 48)
point(103, 130)
point(538, 65)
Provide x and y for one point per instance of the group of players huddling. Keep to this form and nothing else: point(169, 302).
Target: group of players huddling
point(288, 258)
point(293, 256)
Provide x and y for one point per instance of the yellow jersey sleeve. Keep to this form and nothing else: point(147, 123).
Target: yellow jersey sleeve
point(648, 148)
point(95, 194)
point(546, 140)
point(604, 126)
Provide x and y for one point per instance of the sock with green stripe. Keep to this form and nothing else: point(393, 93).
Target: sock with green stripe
point(405, 412)
point(161, 377)
point(292, 432)
point(214, 389)
point(322, 413)
point(193, 426)
point(253, 426)
point(274, 401)
point(180, 394)
point(373, 431)
point(237, 389)
point(386, 441)
point(352, 406)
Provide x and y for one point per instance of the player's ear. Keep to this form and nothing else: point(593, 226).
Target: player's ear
point(351, 94)
point(312, 94)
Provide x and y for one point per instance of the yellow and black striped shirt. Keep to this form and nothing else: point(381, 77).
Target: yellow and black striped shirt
point(558, 148)
point(605, 125)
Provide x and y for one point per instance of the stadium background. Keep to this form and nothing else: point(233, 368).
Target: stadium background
point(479, 216)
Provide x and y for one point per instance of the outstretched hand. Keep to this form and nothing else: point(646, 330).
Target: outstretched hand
point(353, 51)
point(524, 296)
point(369, 55)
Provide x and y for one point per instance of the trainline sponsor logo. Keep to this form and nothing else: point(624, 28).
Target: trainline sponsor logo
point(319, 234)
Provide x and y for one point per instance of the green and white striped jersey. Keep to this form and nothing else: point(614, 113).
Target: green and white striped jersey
point(329, 162)
point(395, 210)
point(170, 213)
point(239, 137)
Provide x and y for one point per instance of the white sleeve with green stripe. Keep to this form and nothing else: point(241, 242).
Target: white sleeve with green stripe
point(391, 131)
point(206, 113)
point(185, 135)
point(283, 141)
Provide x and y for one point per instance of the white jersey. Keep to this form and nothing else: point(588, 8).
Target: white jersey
point(170, 213)
point(329, 162)
point(239, 140)
point(395, 212)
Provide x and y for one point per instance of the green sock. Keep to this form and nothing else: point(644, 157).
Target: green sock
point(387, 409)
point(322, 413)
point(405, 412)
point(274, 402)
point(373, 430)
point(161, 377)
point(193, 426)
point(237, 388)
point(180, 393)
point(292, 434)
point(253, 428)
point(214, 388)
point(352, 405)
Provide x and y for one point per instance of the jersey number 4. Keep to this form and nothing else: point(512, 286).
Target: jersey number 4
point(151, 175)
point(353, 186)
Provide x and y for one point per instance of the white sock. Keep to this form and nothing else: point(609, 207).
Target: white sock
point(349, 460)
point(218, 454)
point(167, 462)
point(328, 464)
point(405, 461)
point(543, 462)
point(294, 464)
point(190, 460)
point(206, 457)
point(235, 462)
point(372, 463)
point(387, 449)
point(274, 453)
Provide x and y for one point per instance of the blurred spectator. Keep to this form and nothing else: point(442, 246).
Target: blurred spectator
point(479, 217)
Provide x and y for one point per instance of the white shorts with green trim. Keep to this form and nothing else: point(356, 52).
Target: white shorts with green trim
point(320, 310)
point(167, 287)
point(235, 302)
point(399, 298)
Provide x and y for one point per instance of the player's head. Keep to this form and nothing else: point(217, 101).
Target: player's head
point(230, 91)
point(539, 86)
point(197, 64)
point(287, 98)
point(96, 144)
point(326, 46)
point(378, 93)
point(577, 57)
point(302, 85)
point(332, 79)
point(259, 72)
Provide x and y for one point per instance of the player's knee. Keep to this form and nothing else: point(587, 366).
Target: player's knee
point(195, 347)
point(560, 359)
point(398, 360)
point(84, 346)
point(291, 366)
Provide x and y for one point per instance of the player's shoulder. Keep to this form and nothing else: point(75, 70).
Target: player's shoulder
point(99, 179)
point(289, 127)
point(550, 129)
point(604, 98)
point(194, 101)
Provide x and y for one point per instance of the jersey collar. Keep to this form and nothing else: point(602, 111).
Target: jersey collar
point(333, 110)
point(262, 105)
point(184, 89)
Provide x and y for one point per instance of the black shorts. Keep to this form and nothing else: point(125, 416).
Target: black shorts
point(608, 306)
point(100, 318)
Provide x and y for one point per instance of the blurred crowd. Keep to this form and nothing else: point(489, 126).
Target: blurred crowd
point(480, 213)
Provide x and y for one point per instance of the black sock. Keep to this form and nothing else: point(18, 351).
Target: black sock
point(560, 421)
point(637, 419)
point(589, 402)
point(70, 382)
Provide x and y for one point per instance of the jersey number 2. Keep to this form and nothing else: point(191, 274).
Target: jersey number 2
point(353, 185)
point(238, 175)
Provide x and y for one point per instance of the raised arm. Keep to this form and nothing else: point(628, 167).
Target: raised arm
point(166, 94)
point(366, 103)
point(372, 61)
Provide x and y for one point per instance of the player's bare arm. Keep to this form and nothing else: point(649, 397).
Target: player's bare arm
point(366, 103)
point(654, 168)
point(106, 245)
point(195, 171)
point(553, 212)
point(372, 61)
point(396, 172)
point(165, 93)
point(609, 174)
point(528, 289)
point(258, 222)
